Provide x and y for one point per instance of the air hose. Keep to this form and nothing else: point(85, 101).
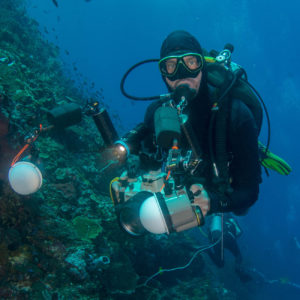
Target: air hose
point(125, 77)
point(221, 132)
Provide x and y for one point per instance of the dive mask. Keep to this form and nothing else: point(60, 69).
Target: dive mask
point(181, 66)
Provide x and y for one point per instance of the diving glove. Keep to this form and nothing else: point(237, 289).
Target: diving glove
point(271, 161)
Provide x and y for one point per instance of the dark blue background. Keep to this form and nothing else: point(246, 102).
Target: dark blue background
point(106, 37)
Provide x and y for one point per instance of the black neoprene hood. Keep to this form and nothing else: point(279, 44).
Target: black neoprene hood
point(179, 41)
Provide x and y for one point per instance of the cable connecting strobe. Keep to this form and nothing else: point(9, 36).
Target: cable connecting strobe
point(179, 268)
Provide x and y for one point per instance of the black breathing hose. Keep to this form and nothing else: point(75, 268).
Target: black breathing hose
point(125, 76)
point(213, 116)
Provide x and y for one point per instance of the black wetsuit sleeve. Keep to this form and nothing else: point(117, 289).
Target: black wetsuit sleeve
point(245, 170)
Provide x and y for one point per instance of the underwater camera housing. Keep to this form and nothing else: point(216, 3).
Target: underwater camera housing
point(152, 204)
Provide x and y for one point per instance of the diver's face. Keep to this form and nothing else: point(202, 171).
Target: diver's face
point(193, 83)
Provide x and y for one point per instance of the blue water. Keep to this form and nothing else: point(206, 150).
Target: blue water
point(105, 37)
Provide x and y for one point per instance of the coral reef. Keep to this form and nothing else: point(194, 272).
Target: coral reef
point(86, 228)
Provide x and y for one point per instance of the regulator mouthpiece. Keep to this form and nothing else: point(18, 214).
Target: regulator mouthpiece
point(182, 92)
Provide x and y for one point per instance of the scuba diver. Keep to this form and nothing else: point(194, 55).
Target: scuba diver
point(230, 231)
point(195, 154)
point(221, 141)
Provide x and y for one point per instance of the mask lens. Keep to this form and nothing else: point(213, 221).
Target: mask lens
point(171, 65)
point(168, 66)
point(192, 62)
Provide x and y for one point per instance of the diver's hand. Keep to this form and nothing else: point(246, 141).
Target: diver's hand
point(201, 198)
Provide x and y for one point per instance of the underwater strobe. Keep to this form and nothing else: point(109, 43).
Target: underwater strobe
point(25, 176)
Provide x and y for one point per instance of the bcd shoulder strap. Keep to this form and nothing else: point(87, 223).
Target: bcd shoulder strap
point(218, 76)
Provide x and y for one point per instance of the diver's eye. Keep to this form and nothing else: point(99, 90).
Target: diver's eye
point(191, 62)
point(171, 65)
